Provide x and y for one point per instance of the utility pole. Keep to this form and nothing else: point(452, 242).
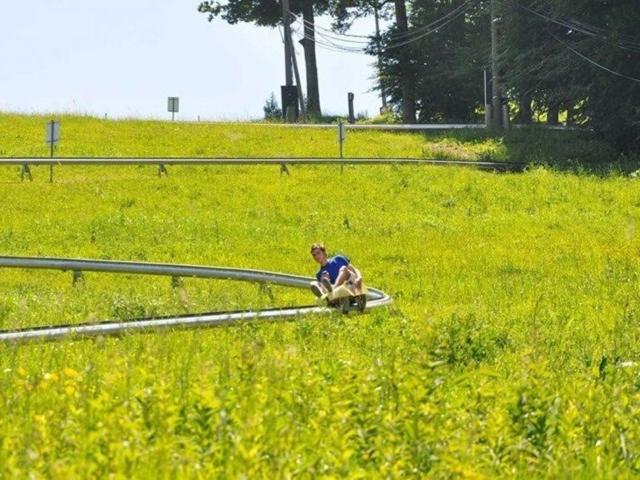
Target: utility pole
point(290, 94)
point(292, 52)
point(286, 22)
point(496, 93)
point(383, 93)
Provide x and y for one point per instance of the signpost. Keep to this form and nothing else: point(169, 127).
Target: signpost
point(52, 137)
point(174, 106)
point(53, 134)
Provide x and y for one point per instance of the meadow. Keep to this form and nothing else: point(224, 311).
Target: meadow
point(511, 349)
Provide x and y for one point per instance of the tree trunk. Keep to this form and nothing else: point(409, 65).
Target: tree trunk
point(406, 83)
point(553, 117)
point(310, 62)
point(525, 113)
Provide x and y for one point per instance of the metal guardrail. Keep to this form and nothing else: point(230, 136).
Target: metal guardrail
point(376, 298)
point(395, 126)
point(378, 126)
point(254, 161)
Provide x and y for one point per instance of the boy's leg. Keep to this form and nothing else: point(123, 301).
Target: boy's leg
point(317, 289)
point(326, 284)
point(343, 276)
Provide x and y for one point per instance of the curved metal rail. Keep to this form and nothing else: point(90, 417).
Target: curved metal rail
point(376, 298)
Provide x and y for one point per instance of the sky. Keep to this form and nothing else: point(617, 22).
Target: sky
point(123, 58)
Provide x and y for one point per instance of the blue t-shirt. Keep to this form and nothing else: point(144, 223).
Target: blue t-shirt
point(333, 267)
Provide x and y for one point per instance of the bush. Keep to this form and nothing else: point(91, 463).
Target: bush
point(272, 110)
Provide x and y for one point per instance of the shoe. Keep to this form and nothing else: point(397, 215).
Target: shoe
point(326, 283)
point(316, 291)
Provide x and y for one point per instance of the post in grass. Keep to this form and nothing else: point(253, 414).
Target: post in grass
point(52, 138)
point(342, 134)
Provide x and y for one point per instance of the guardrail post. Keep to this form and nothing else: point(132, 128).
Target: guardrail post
point(284, 170)
point(78, 278)
point(265, 289)
point(176, 282)
point(162, 169)
point(342, 135)
point(25, 171)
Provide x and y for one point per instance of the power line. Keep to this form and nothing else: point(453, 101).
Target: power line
point(466, 6)
point(394, 36)
point(586, 29)
point(329, 39)
point(327, 44)
point(593, 62)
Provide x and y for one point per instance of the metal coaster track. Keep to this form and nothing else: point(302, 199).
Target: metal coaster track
point(376, 298)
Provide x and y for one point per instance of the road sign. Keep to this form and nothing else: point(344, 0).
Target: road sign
point(53, 132)
point(174, 104)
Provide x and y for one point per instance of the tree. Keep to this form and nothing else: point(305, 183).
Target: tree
point(268, 13)
point(443, 63)
point(404, 61)
point(272, 110)
point(345, 12)
point(579, 57)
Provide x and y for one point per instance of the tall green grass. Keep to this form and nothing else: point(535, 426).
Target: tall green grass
point(23, 135)
point(511, 350)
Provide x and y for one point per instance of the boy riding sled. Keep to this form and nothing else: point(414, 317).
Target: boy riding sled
point(334, 272)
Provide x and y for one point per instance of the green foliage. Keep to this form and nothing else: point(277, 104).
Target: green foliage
point(272, 110)
point(573, 60)
point(511, 349)
point(386, 118)
point(565, 68)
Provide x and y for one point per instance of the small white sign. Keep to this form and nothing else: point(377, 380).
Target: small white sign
point(53, 132)
point(174, 104)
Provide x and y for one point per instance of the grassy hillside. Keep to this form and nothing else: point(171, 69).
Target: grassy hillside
point(23, 135)
point(512, 347)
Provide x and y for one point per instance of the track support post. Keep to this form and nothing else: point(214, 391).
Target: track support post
point(25, 171)
point(78, 278)
point(265, 289)
point(162, 169)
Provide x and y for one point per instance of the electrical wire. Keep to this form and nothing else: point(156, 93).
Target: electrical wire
point(328, 40)
point(467, 6)
point(398, 36)
point(593, 62)
point(589, 30)
point(327, 45)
